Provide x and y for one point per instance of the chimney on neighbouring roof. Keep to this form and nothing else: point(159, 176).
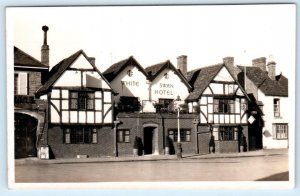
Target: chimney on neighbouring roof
point(45, 48)
point(92, 60)
point(260, 62)
point(228, 61)
point(272, 69)
point(182, 64)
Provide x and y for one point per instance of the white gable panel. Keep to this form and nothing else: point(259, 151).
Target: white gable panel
point(224, 75)
point(94, 80)
point(207, 91)
point(69, 78)
point(81, 63)
point(54, 115)
point(239, 92)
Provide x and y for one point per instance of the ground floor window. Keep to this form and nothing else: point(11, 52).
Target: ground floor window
point(185, 135)
point(225, 133)
point(80, 135)
point(123, 135)
point(280, 131)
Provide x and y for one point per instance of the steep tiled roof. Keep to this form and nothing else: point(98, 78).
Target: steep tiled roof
point(116, 68)
point(23, 59)
point(260, 78)
point(154, 70)
point(200, 79)
point(59, 69)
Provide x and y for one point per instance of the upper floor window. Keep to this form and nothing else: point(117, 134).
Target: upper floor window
point(82, 100)
point(223, 106)
point(276, 107)
point(21, 83)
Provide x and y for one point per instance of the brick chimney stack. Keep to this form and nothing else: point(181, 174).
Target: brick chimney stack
point(260, 62)
point(272, 69)
point(92, 60)
point(45, 48)
point(182, 64)
point(228, 61)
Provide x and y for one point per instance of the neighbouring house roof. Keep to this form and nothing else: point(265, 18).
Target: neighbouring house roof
point(60, 68)
point(154, 70)
point(23, 59)
point(260, 78)
point(200, 79)
point(112, 72)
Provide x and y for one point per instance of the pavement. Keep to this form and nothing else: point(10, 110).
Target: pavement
point(257, 153)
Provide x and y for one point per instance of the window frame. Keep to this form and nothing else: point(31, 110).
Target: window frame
point(284, 134)
point(185, 134)
point(276, 107)
point(219, 108)
point(232, 134)
point(124, 135)
point(89, 135)
point(87, 97)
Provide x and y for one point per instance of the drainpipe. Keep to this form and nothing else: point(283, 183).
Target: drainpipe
point(196, 122)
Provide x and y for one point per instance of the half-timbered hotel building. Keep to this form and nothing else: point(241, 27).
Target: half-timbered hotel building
point(84, 113)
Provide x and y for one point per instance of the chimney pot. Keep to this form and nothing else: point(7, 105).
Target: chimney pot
point(260, 62)
point(45, 48)
point(182, 64)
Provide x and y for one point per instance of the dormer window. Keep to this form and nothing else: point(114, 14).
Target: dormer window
point(276, 108)
point(129, 73)
point(166, 76)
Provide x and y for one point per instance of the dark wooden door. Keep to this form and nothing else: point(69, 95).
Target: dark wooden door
point(148, 140)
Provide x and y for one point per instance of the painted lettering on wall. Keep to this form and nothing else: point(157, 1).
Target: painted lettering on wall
point(130, 83)
point(166, 91)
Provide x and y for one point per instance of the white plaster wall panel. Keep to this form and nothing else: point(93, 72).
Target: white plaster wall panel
point(237, 105)
point(81, 63)
point(244, 119)
point(132, 86)
point(222, 118)
point(232, 118)
point(54, 115)
point(237, 118)
point(226, 119)
point(98, 117)
point(94, 80)
point(210, 118)
point(168, 88)
point(90, 117)
point(56, 103)
point(98, 104)
point(108, 117)
point(210, 108)
point(216, 133)
point(73, 117)
point(216, 119)
point(44, 97)
point(203, 108)
point(98, 94)
point(106, 108)
point(82, 117)
point(69, 78)
point(107, 97)
point(55, 93)
point(65, 116)
point(224, 75)
point(239, 92)
point(65, 94)
point(190, 105)
point(217, 88)
point(202, 118)
point(207, 91)
point(209, 100)
point(203, 100)
point(65, 104)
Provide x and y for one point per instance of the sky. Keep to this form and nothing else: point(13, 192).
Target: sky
point(154, 34)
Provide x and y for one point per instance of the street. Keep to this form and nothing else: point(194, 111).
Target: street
point(187, 169)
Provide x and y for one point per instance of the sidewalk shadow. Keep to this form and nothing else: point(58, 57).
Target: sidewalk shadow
point(284, 176)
